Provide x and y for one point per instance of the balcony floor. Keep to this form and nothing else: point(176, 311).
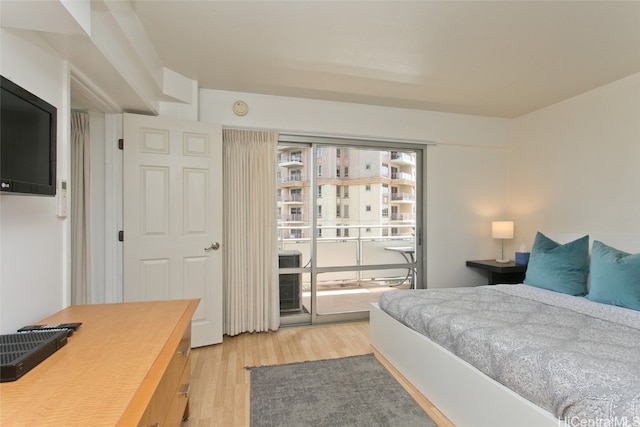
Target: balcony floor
point(344, 297)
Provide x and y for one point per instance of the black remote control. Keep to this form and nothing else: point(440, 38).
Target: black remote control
point(69, 327)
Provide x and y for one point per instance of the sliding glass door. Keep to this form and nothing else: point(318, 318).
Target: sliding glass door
point(349, 227)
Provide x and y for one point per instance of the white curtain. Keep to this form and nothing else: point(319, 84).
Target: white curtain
point(251, 293)
point(79, 198)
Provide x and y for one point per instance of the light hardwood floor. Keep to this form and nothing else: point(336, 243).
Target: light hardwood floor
point(220, 382)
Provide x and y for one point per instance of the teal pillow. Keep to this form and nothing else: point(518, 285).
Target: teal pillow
point(560, 268)
point(615, 277)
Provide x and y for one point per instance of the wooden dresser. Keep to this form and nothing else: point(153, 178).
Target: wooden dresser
point(127, 365)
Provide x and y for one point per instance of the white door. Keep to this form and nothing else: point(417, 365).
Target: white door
point(173, 217)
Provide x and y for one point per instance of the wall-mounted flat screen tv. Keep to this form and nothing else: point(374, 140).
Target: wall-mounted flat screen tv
point(27, 142)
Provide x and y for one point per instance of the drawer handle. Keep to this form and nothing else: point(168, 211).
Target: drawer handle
point(185, 351)
point(184, 390)
point(154, 425)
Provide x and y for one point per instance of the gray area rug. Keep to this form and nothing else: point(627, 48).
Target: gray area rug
point(351, 391)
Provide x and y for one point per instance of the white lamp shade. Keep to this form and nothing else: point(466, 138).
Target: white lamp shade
point(502, 229)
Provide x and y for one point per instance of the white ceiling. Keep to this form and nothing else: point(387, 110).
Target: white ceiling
point(500, 59)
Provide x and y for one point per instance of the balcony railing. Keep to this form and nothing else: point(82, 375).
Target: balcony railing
point(289, 160)
point(402, 175)
point(292, 198)
point(357, 249)
point(403, 197)
point(291, 217)
point(405, 217)
point(291, 178)
point(400, 157)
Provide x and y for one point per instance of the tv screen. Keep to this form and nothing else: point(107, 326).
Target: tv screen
point(27, 142)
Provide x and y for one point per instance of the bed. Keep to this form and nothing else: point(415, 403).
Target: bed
point(520, 355)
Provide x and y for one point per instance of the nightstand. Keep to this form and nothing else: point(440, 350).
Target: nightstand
point(500, 272)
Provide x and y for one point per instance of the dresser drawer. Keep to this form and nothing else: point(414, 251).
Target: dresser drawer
point(170, 385)
point(180, 399)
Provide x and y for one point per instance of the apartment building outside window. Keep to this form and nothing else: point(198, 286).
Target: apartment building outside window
point(379, 173)
point(363, 176)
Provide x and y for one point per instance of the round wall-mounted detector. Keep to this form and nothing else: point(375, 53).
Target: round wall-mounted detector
point(240, 108)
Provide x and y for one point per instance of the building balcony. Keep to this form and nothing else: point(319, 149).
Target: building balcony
point(287, 161)
point(403, 197)
point(377, 267)
point(291, 178)
point(403, 176)
point(291, 218)
point(403, 217)
point(400, 158)
point(292, 199)
point(292, 181)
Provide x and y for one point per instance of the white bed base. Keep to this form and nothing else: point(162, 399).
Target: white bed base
point(466, 396)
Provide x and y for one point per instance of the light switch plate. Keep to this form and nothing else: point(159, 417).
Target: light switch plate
point(63, 202)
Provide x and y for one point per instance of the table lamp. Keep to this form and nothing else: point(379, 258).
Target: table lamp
point(502, 230)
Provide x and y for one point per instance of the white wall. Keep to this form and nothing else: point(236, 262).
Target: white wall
point(34, 265)
point(571, 167)
point(466, 171)
point(575, 166)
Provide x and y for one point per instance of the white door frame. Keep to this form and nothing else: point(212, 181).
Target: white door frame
point(113, 281)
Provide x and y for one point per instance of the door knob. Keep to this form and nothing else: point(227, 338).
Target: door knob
point(214, 247)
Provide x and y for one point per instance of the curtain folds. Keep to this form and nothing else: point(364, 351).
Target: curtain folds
point(251, 293)
point(80, 225)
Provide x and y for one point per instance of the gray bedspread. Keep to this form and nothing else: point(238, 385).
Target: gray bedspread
point(578, 359)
